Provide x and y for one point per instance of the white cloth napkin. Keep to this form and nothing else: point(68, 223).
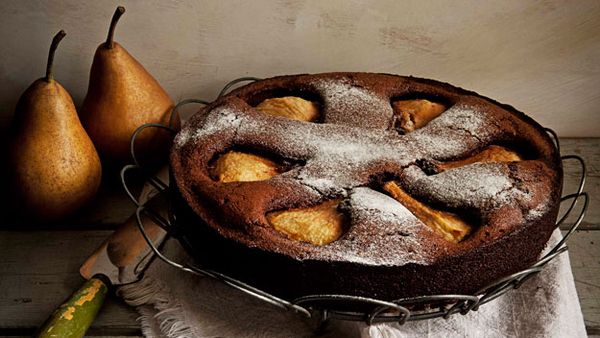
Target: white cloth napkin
point(173, 303)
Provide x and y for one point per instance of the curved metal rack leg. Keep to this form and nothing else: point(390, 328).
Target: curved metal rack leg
point(236, 81)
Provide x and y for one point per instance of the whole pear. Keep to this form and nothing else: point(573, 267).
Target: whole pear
point(54, 167)
point(122, 96)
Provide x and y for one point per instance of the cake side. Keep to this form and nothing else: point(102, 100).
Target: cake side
point(347, 155)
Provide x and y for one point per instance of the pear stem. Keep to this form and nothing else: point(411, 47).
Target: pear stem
point(113, 23)
point(55, 41)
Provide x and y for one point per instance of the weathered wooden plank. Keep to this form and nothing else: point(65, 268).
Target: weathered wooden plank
point(27, 333)
point(110, 208)
point(589, 150)
point(39, 270)
point(92, 332)
point(584, 252)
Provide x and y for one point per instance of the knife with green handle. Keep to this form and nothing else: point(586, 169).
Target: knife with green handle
point(74, 317)
point(119, 260)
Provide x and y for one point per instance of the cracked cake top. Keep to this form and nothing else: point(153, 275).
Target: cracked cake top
point(349, 152)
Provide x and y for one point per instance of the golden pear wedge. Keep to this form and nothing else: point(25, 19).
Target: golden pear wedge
point(54, 167)
point(122, 96)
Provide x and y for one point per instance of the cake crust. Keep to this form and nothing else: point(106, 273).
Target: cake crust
point(348, 154)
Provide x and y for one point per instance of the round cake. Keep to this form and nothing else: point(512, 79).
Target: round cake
point(363, 184)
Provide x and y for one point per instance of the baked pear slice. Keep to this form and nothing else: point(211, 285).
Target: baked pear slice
point(235, 166)
point(414, 114)
point(319, 225)
point(291, 107)
point(448, 225)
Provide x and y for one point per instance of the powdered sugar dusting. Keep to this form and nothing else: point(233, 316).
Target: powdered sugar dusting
point(343, 161)
point(337, 156)
point(537, 212)
point(375, 205)
point(480, 185)
point(388, 223)
point(220, 119)
point(341, 155)
point(454, 133)
point(461, 117)
point(183, 137)
point(352, 105)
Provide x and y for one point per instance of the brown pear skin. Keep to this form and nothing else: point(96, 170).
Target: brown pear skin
point(122, 96)
point(54, 167)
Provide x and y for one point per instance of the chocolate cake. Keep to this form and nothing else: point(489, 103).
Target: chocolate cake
point(364, 184)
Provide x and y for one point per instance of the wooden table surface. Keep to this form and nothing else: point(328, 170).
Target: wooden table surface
point(39, 265)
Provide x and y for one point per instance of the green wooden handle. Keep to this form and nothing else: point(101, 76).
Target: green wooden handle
point(74, 317)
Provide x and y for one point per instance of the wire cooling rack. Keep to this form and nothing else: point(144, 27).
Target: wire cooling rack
point(314, 306)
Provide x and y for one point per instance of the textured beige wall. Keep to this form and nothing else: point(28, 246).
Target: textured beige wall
point(541, 56)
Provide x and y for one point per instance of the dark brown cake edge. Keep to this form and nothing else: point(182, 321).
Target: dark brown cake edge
point(477, 267)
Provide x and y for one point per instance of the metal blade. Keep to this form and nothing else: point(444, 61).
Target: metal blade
point(125, 254)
